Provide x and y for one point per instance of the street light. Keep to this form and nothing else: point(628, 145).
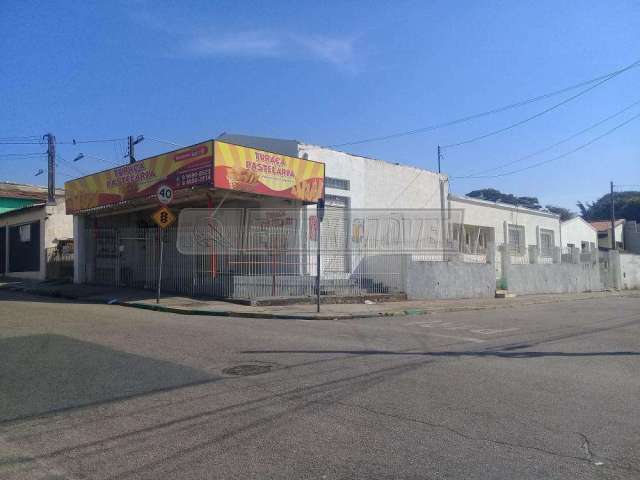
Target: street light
point(39, 172)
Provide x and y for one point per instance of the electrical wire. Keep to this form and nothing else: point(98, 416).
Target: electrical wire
point(159, 140)
point(545, 111)
point(552, 146)
point(71, 165)
point(29, 154)
point(558, 157)
point(488, 112)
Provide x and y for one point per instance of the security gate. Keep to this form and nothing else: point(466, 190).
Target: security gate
point(252, 253)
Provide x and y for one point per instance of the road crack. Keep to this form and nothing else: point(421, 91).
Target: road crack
point(467, 436)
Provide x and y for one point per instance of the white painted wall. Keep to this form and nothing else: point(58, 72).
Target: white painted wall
point(377, 183)
point(493, 214)
point(629, 271)
point(577, 230)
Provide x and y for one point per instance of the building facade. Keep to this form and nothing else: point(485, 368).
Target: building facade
point(603, 227)
point(34, 239)
point(497, 224)
point(577, 232)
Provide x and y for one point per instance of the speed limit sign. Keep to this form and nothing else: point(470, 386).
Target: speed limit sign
point(165, 194)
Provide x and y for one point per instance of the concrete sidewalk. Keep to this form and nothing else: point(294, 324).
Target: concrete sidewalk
point(189, 306)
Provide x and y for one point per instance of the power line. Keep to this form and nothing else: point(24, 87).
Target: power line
point(29, 154)
point(73, 142)
point(550, 147)
point(67, 162)
point(558, 157)
point(164, 141)
point(546, 110)
point(488, 112)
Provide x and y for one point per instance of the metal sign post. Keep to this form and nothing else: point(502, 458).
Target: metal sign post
point(160, 236)
point(163, 218)
point(319, 217)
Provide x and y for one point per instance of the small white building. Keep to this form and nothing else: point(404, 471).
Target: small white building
point(577, 232)
point(486, 222)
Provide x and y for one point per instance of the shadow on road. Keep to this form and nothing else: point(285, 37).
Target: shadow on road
point(488, 353)
point(49, 373)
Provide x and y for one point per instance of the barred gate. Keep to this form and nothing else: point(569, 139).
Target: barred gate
point(251, 253)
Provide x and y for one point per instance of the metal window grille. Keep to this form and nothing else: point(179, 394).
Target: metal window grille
point(516, 240)
point(546, 243)
point(337, 183)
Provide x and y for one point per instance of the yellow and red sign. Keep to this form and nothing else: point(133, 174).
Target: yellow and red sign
point(182, 168)
point(211, 163)
point(255, 171)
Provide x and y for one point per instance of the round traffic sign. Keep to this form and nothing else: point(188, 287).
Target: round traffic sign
point(165, 194)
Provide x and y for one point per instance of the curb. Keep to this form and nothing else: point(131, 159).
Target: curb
point(272, 316)
point(302, 316)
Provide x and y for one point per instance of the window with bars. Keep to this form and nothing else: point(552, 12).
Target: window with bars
point(337, 183)
point(546, 242)
point(516, 240)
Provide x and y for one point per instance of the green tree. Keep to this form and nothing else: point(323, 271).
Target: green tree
point(627, 206)
point(565, 213)
point(493, 195)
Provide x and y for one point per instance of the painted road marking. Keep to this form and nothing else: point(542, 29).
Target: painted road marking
point(466, 339)
point(452, 326)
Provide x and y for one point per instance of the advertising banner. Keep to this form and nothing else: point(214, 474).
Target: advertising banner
point(255, 171)
point(182, 168)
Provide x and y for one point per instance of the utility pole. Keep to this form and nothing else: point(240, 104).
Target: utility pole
point(443, 223)
point(51, 169)
point(132, 145)
point(132, 157)
point(613, 221)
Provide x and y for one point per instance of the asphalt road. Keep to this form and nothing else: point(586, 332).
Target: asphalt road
point(540, 392)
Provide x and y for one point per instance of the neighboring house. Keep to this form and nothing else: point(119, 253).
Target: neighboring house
point(487, 222)
point(604, 233)
point(577, 232)
point(632, 236)
point(32, 234)
point(15, 195)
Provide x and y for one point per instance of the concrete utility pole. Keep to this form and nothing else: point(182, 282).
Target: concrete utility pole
point(132, 144)
point(51, 169)
point(613, 221)
point(439, 158)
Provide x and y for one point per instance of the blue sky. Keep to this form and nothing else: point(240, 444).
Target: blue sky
point(327, 73)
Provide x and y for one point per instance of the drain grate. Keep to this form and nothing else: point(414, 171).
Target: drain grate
point(247, 369)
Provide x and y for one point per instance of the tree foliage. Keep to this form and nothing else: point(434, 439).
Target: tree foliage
point(565, 213)
point(494, 195)
point(627, 206)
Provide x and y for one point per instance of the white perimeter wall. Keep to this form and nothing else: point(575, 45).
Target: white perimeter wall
point(629, 271)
